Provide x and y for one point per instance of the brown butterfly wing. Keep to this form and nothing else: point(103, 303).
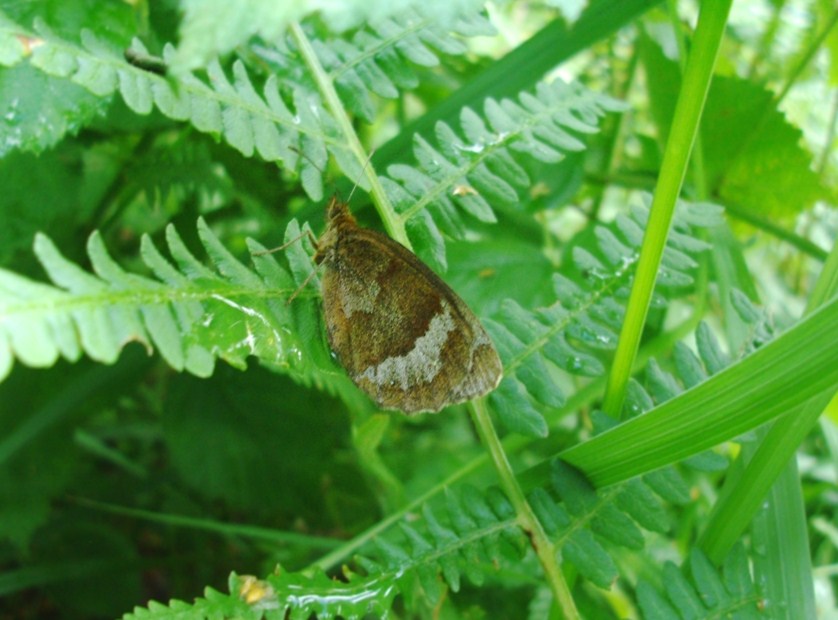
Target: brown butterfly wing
point(403, 336)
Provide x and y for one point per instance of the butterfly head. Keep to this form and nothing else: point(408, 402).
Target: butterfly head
point(337, 213)
point(338, 217)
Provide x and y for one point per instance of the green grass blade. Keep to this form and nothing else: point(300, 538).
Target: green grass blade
point(759, 388)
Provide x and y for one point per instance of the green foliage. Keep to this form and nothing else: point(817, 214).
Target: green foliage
point(212, 29)
point(382, 57)
point(482, 169)
point(248, 121)
point(699, 590)
point(135, 468)
point(754, 159)
point(39, 108)
point(573, 333)
point(479, 536)
point(585, 521)
point(190, 313)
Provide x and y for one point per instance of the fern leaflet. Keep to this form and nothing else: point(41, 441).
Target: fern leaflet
point(191, 313)
point(251, 123)
point(698, 590)
point(572, 334)
point(477, 169)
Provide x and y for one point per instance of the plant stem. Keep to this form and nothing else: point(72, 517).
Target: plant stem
point(828, 139)
point(757, 389)
point(699, 71)
point(544, 548)
point(783, 234)
point(338, 555)
point(393, 224)
point(808, 55)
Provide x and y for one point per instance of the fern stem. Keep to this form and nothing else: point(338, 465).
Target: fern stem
point(338, 555)
point(685, 123)
point(393, 224)
point(544, 548)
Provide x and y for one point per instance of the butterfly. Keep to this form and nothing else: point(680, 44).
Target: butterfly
point(400, 332)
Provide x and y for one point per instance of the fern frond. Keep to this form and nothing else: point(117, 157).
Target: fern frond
point(583, 522)
point(213, 604)
point(211, 29)
point(40, 110)
point(667, 483)
point(479, 535)
point(588, 518)
point(572, 334)
point(282, 595)
point(379, 58)
point(692, 369)
point(698, 590)
point(476, 169)
point(252, 123)
point(191, 313)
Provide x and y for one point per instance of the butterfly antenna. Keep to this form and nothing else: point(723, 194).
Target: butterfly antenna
point(305, 233)
point(366, 163)
point(313, 163)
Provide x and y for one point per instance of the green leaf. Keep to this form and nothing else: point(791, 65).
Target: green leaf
point(570, 335)
point(689, 366)
point(736, 574)
point(41, 110)
point(516, 412)
point(249, 122)
point(192, 314)
point(681, 592)
point(582, 502)
point(210, 29)
point(522, 67)
point(477, 157)
point(12, 48)
point(590, 558)
point(703, 595)
point(708, 348)
point(381, 55)
point(39, 414)
point(752, 153)
point(702, 417)
point(260, 411)
point(653, 605)
point(586, 519)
